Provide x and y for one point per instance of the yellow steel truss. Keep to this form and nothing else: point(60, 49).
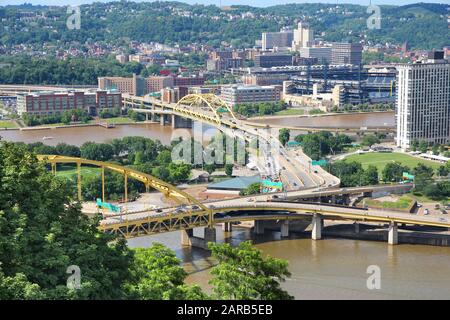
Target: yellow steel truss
point(198, 101)
point(149, 181)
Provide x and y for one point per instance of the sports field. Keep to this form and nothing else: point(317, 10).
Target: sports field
point(68, 171)
point(381, 159)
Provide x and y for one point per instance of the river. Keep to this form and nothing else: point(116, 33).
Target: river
point(331, 268)
point(80, 135)
point(326, 269)
point(351, 120)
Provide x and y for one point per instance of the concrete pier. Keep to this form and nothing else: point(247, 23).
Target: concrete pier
point(209, 235)
point(317, 224)
point(259, 227)
point(227, 227)
point(393, 234)
point(285, 229)
point(356, 224)
point(186, 237)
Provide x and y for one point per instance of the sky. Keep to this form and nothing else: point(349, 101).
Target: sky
point(255, 3)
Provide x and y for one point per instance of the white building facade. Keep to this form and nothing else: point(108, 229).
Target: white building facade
point(423, 103)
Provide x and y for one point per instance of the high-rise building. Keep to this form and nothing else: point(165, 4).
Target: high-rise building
point(423, 102)
point(303, 37)
point(346, 53)
point(280, 39)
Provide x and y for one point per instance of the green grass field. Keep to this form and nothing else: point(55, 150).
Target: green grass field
point(381, 159)
point(290, 112)
point(117, 120)
point(68, 172)
point(7, 124)
point(402, 203)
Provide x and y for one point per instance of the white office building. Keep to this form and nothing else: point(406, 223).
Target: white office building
point(423, 102)
point(250, 94)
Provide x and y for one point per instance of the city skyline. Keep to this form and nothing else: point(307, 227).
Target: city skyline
point(260, 3)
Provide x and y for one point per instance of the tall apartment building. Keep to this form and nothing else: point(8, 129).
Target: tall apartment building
point(48, 103)
point(270, 60)
point(280, 39)
point(346, 53)
point(303, 37)
point(250, 94)
point(423, 102)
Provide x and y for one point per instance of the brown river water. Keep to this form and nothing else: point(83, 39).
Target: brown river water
point(325, 269)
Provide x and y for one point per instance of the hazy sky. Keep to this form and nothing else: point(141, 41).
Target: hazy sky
point(259, 3)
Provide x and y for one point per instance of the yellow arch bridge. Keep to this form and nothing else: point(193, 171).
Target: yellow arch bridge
point(191, 213)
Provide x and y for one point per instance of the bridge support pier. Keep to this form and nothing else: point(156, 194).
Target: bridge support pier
point(285, 229)
point(356, 224)
point(259, 227)
point(393, 234)
point(317, 223)
point(209, 235)
point(186, 236)
point(227, 227)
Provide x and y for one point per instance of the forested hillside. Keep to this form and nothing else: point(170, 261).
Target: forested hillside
point(424, 26)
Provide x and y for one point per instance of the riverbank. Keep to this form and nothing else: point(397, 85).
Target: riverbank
point(317, 115)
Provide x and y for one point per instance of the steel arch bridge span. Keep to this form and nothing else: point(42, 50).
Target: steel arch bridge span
point(165, 188)
point(196, 102)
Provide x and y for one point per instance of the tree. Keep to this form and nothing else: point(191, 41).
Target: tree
point(370, 176)
point(284, 136)
point(422, 176)
point(156, 273)
point(369, 140)
point(65, 149)
point(254, 188)
point(414, 145)
point(97, 151)
point(229, 169)
point(43, 232)
point(435, 149)
point(393, 172)
point(243, 274)
point(423, 146)
point(442, 171)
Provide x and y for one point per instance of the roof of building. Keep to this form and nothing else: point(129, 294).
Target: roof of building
point(238, 183)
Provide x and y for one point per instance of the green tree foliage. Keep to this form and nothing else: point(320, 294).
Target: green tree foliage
point(422, 176)
point(156, 273)
point(258, 109)
point(42, 232)
point(369, 140)
point(97, 151)
point(284, 136)
point(254, 188)
point(320, 144)
point(243, 274)
point(393, 172)
point(423, 25)
point(229, 169)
